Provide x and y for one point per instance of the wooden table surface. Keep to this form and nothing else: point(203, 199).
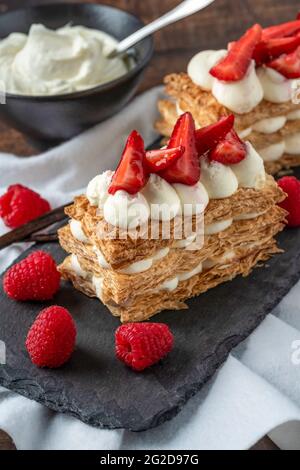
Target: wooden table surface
point(213, 28)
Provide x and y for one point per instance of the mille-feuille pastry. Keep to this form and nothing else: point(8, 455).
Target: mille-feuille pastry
point(136, 272)
point(256, 79)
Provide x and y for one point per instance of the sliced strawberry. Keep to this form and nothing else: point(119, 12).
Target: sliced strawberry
point(229, 151)
point(235, 65)
point(298, 16)
point(131, 175)
point(186, 169)
point(158, 160)
point(288, 64)
point(273, 48)
point(282, 30)
point(208, 137)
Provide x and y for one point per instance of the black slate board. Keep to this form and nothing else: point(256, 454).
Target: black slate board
point(99, 390)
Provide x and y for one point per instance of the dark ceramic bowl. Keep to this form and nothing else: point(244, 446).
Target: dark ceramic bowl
point(60, 117)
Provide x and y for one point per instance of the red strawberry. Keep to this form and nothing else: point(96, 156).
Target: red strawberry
point(158, 160)
point(288, 64)
point(140, 345)
point(235, 65)
point(282, 30)
point(186, 169)
point(20, 205)
point(131, 175)
point(51, 339)
point(34, 278)
point(272, 48)
point(291, 186)
point(229, 151)
point(208, 137)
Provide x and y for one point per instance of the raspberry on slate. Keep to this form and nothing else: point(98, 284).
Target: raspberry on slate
point(140, 345)
point(20, 205)
point(291, 186)
point(34, 278)
point(51, 339)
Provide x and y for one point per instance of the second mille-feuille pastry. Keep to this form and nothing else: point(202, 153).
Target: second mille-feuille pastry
point(125, 240)
point(256, 79)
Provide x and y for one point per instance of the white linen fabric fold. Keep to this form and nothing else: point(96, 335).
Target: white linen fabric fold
point(256, 391)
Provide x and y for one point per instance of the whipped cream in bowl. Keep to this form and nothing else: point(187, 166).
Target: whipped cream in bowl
point(52, 62)
point(57, 79)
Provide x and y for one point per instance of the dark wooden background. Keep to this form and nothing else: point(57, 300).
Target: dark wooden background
point(214, 27)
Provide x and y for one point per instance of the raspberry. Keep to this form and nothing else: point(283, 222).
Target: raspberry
point(34, 278)
point(291, 186)
point(20, 205)
point(140, 345)
point(51, 339)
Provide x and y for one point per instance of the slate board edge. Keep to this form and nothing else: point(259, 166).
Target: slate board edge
point(183, 395)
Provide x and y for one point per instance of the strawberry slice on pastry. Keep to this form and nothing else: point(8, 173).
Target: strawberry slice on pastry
point(272, 48)
point(131, 174)
point(158, 160)
point(229, 151)
point(236, 64)
point(287, 64)
point(186, 169)
point(208, 137)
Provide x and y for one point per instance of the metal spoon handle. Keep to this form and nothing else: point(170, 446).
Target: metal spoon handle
point(184, 9)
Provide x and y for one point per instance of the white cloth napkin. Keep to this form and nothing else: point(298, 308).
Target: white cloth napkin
point(256, 391)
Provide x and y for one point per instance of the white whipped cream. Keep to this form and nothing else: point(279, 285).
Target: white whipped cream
point(273, 152)
point(276, 87)
point(179, 111)
point(162, 198)
point(77, 232)
point(170, 285)
point(245, 133)
point(294, 115)
point(270, 125)
point(75, 265)
point(125, 210)
point(218, 180)
point(250, 216)
point(212, 262)
point(218, 227)
point(97, 190)
point(185, 242)
point(200, 65)
point(101, 260)
point(160, 254)
point(250, 172)
point(145, 264)
point(98, 285)
point(189, 274)
point(292, 144)
point(138, 267)
point(195, 196)
point(241, 96)
point(48, 62)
